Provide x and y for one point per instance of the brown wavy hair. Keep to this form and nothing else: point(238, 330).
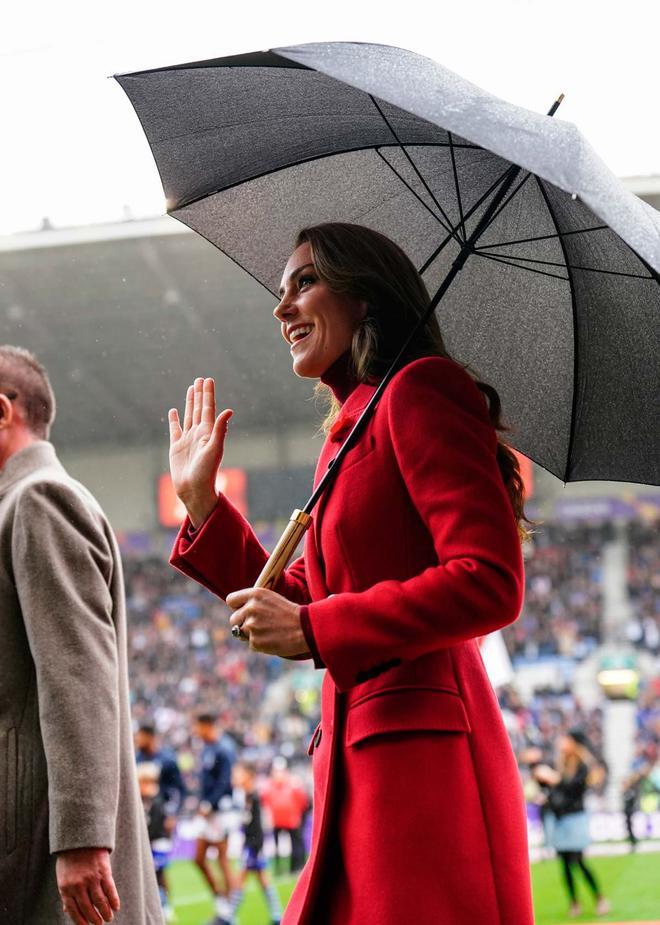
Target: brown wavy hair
point(360, 262)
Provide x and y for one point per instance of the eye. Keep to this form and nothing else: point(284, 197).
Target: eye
point(302, 280)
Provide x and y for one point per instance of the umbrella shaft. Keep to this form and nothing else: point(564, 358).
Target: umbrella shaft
point(457, 265)
point(301, 519)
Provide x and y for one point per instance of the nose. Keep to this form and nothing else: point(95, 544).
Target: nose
point(284, 309)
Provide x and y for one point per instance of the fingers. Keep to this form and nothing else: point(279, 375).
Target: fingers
point(198, 398)
point(200, 407)
point(188, 415)
point(241, 616)
point(100, 901)
point(220, 427)
point(238, 598)
point(93, 908)
point(237, 618)
point(175, 426)
point(208, 402)
point(110, 891)
point(72, 909)
point(86, 906)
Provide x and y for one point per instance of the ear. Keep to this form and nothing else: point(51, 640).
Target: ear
point(6, 413)
point(362, 310)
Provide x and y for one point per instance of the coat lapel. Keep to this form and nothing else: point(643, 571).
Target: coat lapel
point(347, 417)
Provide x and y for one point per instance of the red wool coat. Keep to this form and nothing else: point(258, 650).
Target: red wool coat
point(419, 817)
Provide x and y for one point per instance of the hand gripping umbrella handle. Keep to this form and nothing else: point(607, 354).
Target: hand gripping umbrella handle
point(286, 546)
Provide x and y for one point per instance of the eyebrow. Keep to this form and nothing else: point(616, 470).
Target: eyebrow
point(294, 273)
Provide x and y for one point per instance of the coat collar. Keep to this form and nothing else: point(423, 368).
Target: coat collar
point(351, 394)
point(350, 412)
point(38, 455)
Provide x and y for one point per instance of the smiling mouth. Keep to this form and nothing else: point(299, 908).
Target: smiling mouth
point(301, 334)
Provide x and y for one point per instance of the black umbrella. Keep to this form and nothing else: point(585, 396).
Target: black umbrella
point(547, 268)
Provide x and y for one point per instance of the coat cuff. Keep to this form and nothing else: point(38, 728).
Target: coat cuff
point(340, 654)
point(308, 633)
point(191, 532)
point(73, 823)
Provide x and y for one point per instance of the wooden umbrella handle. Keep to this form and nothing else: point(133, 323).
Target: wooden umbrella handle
point(286, 546)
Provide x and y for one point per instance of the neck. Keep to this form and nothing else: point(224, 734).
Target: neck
point(340, 377)
point(18, 441)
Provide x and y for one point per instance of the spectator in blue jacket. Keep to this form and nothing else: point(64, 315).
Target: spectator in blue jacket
point(172, 787)
point(215, 810)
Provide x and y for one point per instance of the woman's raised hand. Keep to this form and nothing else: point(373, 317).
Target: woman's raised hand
point(196, 449)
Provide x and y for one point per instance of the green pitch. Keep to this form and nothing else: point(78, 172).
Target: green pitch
point(631, 883)
point(193, 906)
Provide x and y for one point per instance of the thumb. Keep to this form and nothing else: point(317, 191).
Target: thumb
point(220, 428)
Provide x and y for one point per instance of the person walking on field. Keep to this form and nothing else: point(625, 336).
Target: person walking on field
point(215, 810)
point(253, 860)
point(170, 782)
point(413, 555)
point(73, 839)
point(285, 799)
point(570, 825)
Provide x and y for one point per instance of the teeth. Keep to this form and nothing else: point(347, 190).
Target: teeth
point(301, 332)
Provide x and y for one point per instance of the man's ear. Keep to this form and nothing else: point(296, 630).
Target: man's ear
point(6, 412)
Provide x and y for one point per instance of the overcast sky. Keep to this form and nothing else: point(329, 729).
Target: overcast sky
point(72, 148)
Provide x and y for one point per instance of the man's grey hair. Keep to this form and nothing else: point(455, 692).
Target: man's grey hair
point(24, 380)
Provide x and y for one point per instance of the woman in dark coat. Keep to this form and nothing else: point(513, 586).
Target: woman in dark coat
point(569, 824)
point(414, 554)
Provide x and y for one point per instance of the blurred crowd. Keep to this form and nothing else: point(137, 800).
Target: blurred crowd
point(540, 722)
point(563, 593)
point(643, 629)
point(183, 661)
point(184, 664)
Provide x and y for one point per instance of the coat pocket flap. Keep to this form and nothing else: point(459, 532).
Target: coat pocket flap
point(407, 709)
point(314, 741)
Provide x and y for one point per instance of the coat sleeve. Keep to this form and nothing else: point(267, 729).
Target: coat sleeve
point(445, 448)
point(225, 555)
point(63, 566)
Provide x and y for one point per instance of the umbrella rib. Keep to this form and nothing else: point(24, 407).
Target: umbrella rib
point(576, 334)
point(458, 189)
point(414, 192)
point(570, 266)
point(468, 214)
point(509, 263)
point(417, 171)
point(288, 166)
point(545, 237)
point(509, 198)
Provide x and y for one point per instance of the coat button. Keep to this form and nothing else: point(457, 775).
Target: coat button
point(317, 738)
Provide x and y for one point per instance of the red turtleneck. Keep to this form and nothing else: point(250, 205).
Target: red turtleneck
point(340, 377)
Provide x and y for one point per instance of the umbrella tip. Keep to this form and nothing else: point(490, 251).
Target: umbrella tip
point(555, 106)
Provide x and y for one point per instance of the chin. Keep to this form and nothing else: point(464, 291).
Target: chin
point(307, 368)
point(303, 372)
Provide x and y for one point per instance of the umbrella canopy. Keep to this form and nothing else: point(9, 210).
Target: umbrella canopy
point(558, 303)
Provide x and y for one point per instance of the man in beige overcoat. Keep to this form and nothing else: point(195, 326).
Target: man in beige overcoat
point(73, 840)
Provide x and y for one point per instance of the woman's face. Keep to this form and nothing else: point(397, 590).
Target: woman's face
point(566, 745)
point(317, 323)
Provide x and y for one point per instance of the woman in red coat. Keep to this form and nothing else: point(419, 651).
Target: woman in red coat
point(419, 817)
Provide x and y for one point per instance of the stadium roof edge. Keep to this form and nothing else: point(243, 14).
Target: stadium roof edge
point(88, 234)
point(166, 225)
point(643, 186)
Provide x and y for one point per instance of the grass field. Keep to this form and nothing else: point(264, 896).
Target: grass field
point(631, 882)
